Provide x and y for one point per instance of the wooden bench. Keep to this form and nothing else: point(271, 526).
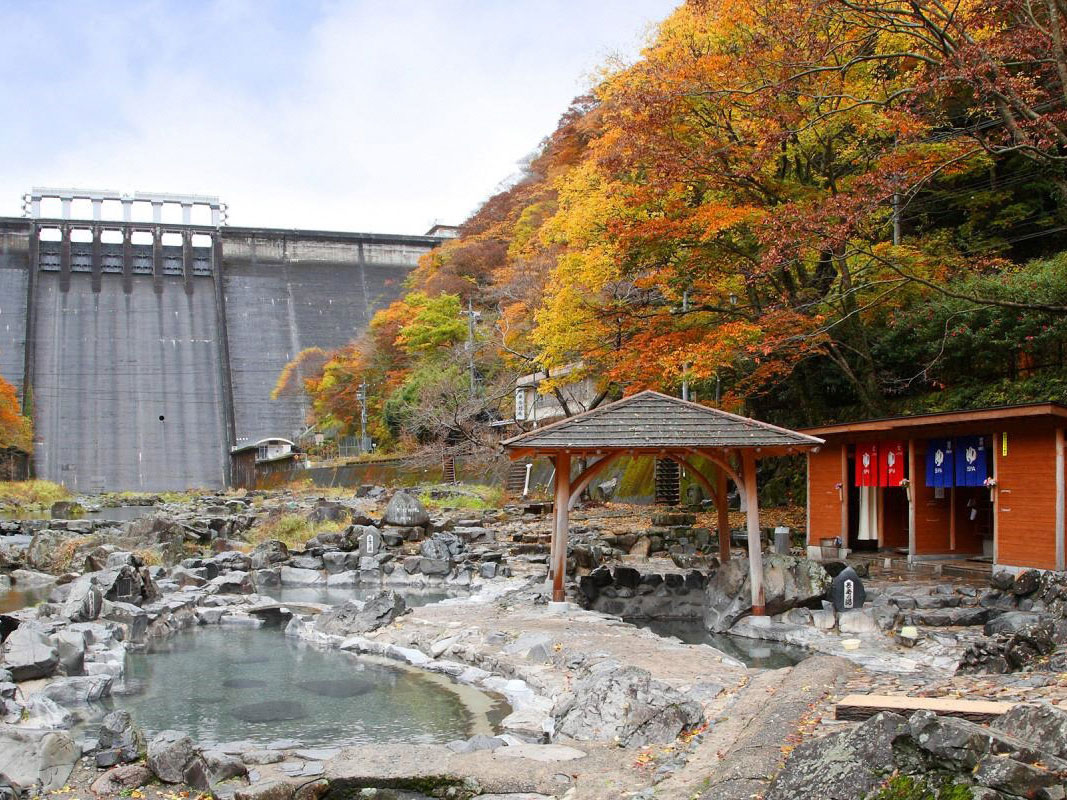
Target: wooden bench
point(864, 706)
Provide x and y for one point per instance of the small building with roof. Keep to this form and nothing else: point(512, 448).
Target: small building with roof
point(986, 484)
point(659, 426)
point(252, 461)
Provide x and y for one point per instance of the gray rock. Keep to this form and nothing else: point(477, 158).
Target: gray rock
point(405, 510)
point(624, 703)
point(169, 753)
point(56, 757)
point(434, 566)
point(327, 511)
point(342, 579)
point(475, 743)
point(947, 617)
point(306, 562)
point(132, 618)
point(886, 617)
point(858, 621)
point(267, 790)
point(32, 761)
point(233, 582)
point(1011, 622)
point(1040, 724)
point(487, 569)
point(337, 561)
point(85, 601)
point(71, 646)
point(78, 690)
point(119, 734)
point(291, 576)
point(840, 766)
point(115, 782)
point(788, 582)
point(1027, 582)
point(28, 579)
point(28, 653)
point(356, 617)
point(269, 553)
point(223, 766)
point(442, 547)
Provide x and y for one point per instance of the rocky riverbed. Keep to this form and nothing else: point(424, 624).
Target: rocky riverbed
point(592, 707)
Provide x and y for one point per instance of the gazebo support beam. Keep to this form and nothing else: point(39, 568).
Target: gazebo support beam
point(723, 513)
point(561, 524)
point(755, 546)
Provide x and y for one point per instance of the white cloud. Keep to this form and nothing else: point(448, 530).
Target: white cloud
point(348, 115)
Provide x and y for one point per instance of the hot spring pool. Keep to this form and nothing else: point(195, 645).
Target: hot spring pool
point(751, 652)
point(255, 684)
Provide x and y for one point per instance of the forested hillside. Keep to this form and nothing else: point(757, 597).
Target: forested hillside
point(811, 210)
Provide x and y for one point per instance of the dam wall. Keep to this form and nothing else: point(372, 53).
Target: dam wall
point(152, 350)
point(14, 284)
point(286, 293)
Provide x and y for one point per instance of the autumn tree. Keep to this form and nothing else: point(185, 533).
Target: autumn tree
point(16, 430)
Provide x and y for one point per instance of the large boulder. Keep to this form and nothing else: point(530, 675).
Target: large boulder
point(169, 754)
point(931, 750)
point(267, 554)
point(328, 511)
point(120, 781)
point(624, 704)
point(119, 740)
point(1040, 724)
point(840, 766)
point(85, 600)
point(442, 547)
point(78, 690)
point(356, 617)
point(788, 582)
point(405, 510)
point(30, 760)
point(291, 576)
point(28, 653)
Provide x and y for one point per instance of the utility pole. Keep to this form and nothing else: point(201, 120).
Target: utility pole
point(361, 394)
point(472, 316)
point(685, 367)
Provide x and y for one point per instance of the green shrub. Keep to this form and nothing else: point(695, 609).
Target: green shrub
point(909, 787)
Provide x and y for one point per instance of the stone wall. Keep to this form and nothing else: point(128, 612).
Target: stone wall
point(626, 592)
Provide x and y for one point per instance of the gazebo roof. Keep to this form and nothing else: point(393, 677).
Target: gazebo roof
point(649, 421)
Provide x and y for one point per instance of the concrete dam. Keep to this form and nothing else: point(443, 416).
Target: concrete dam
point(145, 351)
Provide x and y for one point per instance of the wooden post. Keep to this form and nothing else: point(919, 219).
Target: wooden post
point(880, 495)
point(1060, 491)
point(723, 511)
point(844, 495)
point(996, 498)
point(559, 533)
point(913, 480)
point(755, 546)
point(952, 519)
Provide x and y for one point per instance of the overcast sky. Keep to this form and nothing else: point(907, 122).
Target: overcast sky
point(369, 115)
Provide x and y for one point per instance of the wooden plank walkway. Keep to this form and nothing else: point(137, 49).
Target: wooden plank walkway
point(862, 706)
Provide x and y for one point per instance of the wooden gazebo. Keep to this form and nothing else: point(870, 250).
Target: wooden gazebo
point(660, 426)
